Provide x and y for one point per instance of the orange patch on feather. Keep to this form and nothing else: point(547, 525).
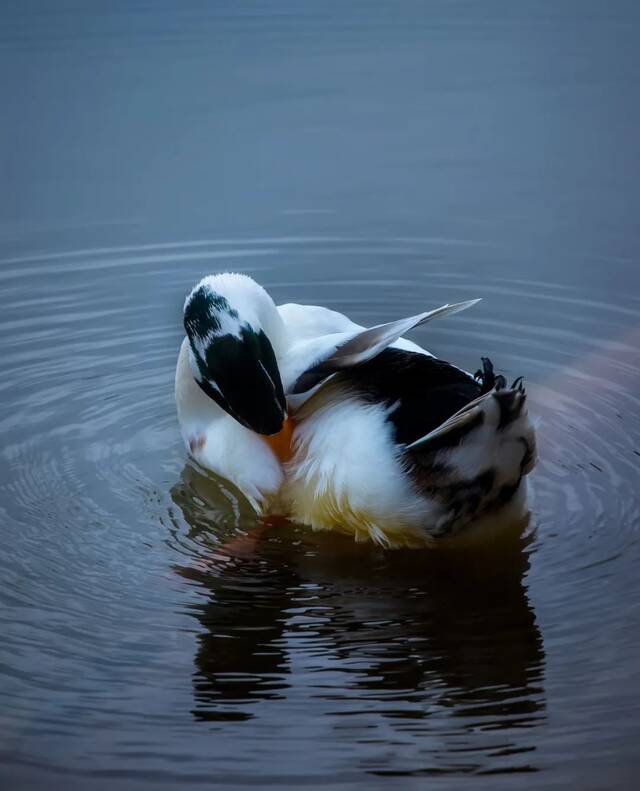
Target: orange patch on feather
point(281, 443)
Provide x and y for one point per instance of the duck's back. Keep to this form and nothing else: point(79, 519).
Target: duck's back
point(420, 391)
point(353, 470)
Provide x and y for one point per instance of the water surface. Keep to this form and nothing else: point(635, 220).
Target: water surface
point(380, 159)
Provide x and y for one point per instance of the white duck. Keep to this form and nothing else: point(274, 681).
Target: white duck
point(389, 444)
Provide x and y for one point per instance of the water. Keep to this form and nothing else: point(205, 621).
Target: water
point(380, 159)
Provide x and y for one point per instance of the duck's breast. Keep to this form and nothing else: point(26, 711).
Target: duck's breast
point(346, 473)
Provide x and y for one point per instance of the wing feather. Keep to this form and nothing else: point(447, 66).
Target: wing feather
point(361, 346)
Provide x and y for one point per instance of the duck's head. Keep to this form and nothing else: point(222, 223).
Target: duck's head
point(229, 319)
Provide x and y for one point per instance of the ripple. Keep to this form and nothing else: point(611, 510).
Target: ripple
point(139, 593)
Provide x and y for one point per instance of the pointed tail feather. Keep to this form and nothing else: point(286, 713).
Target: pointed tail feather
point(366, 344)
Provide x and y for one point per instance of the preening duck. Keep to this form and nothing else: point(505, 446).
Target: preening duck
point(345, 427)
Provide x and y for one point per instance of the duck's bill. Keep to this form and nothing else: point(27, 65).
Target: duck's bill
point(242, 377)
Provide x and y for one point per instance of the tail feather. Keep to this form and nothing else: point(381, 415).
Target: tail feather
point(354, 349)
point(487, 377)
point(475, 460)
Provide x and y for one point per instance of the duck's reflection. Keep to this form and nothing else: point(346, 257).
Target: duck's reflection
point(417, 635)
point(241, 655)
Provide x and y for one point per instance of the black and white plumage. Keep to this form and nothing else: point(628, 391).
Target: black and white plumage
point(390, 443)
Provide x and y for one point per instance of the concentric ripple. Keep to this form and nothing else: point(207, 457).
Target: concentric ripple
point(141, 598)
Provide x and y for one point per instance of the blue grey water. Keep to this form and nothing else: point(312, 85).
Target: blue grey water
point(381, 159)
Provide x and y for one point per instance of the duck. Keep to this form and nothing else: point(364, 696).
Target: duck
point(342, 427)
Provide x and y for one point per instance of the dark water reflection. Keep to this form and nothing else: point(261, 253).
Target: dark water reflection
point(441, 645)
point(378, 158)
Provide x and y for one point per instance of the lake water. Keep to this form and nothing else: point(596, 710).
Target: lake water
point(381, 159)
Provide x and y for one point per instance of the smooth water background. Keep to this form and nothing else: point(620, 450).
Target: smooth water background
point(378, 158)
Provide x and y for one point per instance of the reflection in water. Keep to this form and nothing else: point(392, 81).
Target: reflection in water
point(441, 643)
point(378, 159)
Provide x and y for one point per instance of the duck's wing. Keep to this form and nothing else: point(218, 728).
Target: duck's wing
point(314, 359)
point(507, 404)
point(305, 322)
point(454, 428)
point(310, 322)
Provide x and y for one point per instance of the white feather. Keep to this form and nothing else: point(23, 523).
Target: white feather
point(346, 472)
